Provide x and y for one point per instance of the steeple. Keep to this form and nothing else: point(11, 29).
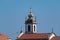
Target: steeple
point(30, 23)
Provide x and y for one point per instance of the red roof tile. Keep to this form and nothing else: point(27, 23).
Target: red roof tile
point(56, 38)
point(3, 36)
point(35, 36)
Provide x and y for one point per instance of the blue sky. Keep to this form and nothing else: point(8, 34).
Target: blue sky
point(13, 13)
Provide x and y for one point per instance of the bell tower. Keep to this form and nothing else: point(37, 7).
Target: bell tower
point(30, 23)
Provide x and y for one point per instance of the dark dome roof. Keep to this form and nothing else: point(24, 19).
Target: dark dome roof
point(31, 18)
point(30, 21)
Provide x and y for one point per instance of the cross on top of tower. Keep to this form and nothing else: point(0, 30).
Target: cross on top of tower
point(30, 13)
point(30, 10)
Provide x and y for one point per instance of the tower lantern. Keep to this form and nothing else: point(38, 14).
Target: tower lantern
point(30, 23)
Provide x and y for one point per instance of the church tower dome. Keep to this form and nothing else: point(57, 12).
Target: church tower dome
point(30, 23)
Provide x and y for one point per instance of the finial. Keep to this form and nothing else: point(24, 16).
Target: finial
point(30, 13)
point(30, 10)
point(52, 29)
point(21, 30)
point(35, 18)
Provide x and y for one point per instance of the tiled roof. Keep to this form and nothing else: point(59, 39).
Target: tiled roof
point(35, 36)
point(56, 38)
point(3, 36)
